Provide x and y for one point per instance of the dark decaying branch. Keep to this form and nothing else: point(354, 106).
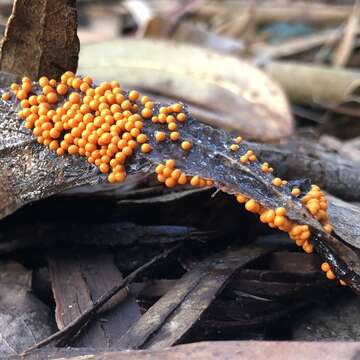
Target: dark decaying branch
point(99, 235)
point(29, 172)
point(210, 158)
point(301, 158)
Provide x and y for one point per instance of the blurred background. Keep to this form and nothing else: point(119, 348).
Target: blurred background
point(208, 53)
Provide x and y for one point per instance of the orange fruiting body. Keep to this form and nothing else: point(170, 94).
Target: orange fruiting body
point(146, 148)
point(186, 145)
point(5, 96)
point(174, 135)
point(277, 182)
point(160, 136)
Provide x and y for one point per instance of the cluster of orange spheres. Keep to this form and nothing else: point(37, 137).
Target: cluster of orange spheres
point(276, 218)
point(317, 204)
point(315, 201)
point(329, 273)
point(102, 123)
point(171, 176)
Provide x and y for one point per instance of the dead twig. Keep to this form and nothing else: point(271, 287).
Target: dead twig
point(81, 321)
point(346, 45)
point(171, 318)
point(296, 46)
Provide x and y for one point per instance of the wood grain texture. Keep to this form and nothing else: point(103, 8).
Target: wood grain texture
point(78, 280)
point(44, 32)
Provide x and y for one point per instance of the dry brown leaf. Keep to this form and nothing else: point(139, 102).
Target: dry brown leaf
point(40, 38)
point(24, 319)
point(309, 83)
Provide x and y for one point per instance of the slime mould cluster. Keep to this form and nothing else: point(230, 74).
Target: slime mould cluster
point(109, 126)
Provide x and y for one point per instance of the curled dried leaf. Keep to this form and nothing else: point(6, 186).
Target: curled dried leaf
point(221, 90)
